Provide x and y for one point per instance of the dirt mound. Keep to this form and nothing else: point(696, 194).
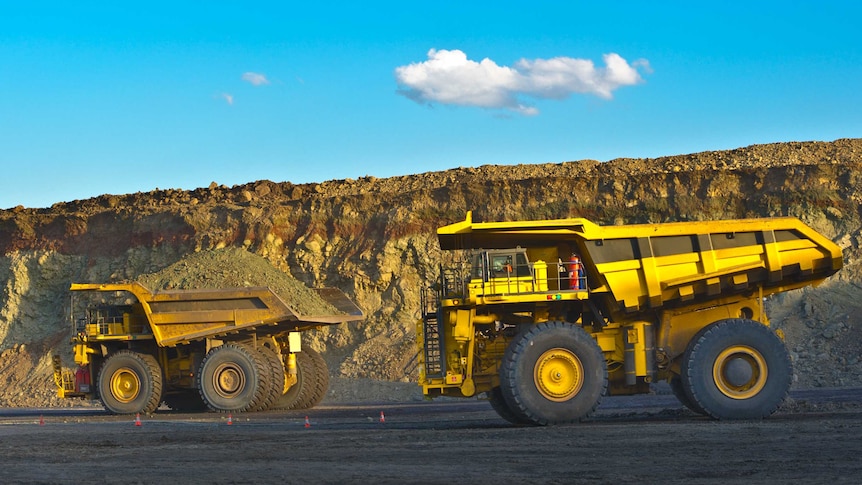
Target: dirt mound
point(235, 268)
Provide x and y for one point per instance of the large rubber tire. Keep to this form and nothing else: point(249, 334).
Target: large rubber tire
point(321, 379)
point(553, 373)
point(130, 383)
point(232, 378)
point(679, 391)
point(498, 402)
point(737, 369)
point(301, 391)
point(275, 376)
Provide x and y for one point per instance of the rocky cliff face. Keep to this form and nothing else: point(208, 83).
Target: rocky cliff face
point(375, 240)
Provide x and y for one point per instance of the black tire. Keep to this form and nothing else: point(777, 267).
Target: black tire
point(679, 391)
point(498, 402)
point(130, 383)
point(185, 400)
point(321, 379)
point(737, 369)
point(232, 378)
point(275, 376)
point(554, 373)
point(299, 394)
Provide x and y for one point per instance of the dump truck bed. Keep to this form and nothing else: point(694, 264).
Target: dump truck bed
point(181, 316)
point(647, 266)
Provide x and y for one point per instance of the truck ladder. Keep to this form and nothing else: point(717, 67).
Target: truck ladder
point(433, 339)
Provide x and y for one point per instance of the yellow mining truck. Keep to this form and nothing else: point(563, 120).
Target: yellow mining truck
point(231, 350)
point(546, 317)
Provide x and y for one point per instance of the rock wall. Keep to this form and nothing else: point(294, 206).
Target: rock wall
point(375, 240)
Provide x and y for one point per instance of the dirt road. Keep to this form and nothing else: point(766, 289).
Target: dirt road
point(644, 439)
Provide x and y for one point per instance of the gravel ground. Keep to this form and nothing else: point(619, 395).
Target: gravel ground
point(636, 439)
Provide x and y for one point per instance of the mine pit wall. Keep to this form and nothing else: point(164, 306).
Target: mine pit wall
point(375, 240)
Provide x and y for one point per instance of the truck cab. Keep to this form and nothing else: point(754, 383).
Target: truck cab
point(503, 271)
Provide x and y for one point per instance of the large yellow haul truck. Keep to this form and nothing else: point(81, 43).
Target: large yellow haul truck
point(546, 317)
point(232, 350)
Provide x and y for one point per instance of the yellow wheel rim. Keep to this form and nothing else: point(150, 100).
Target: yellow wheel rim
point(559, 374)
point(125, 385)
point(228, 380)
point(740, 372)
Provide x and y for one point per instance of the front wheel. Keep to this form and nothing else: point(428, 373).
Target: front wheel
point(737, 369)
point(130, 382)
point(554, 373)
point(498, 403)
point(679, 391)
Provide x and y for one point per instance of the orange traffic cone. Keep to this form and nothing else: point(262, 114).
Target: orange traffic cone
point(307, 424)
point(229, 419)
point(138, 419)
point(382, 417)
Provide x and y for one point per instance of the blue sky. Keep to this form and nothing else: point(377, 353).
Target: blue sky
point(97, 98)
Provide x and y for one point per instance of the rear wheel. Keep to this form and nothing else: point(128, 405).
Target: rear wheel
point(231, 378)
point(130, 382)
point(737, 369)
point(553, 373)
point(300, 393)
point(321, 379)
point(312, 382)
point(275, 376)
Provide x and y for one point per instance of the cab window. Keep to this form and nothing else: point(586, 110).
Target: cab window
point(502, 266)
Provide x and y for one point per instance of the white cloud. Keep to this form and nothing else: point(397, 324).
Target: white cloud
point(255, 78)
point(227, 97)
point(449, 77)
